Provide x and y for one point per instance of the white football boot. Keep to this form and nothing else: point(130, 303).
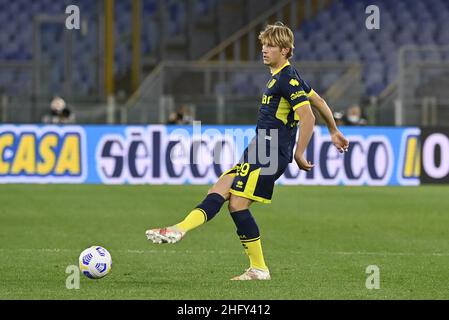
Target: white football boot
point(254, 274)
point(164, 235)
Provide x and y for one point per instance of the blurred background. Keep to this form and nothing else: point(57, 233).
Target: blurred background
point(175, 61)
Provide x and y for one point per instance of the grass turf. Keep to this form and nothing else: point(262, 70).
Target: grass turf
point(317, 241)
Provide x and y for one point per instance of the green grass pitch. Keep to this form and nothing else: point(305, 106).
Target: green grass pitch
point(317, 241)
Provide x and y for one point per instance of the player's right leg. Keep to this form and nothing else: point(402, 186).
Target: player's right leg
point(205, 211)
point(247, 228)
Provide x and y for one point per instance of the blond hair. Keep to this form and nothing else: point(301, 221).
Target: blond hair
point(278, 35)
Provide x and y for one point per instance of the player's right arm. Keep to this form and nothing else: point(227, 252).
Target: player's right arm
point(338, 139)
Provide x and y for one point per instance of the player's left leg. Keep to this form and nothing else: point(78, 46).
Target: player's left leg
point(210, 206)
point(249, 235)
point(205, 211)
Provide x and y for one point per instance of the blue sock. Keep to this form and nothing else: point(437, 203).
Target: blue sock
point(247, 228)
point(211, 205)
point(249, 235)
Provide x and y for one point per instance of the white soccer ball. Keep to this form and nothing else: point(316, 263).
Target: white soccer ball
point(95, 262)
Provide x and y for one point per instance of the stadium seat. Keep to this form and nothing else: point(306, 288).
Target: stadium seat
point(316, 39)
point(401, 24)
point(16, 38)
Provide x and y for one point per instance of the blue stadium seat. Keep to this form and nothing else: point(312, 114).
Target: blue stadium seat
point(16, 37)
point(443, 36)
point(329, 79)
point(401, 24)
point(353, 56)
point(422, 23)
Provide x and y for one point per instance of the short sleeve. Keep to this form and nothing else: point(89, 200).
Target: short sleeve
point(307, 89)
point(295, 91)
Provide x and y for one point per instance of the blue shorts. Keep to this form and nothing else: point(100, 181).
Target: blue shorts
point(258, 170)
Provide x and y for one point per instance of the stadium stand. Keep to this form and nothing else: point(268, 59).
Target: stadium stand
point(336, 34)
point(331, 35)
point(16, 38)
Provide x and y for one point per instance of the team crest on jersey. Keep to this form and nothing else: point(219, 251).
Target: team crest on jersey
point(271, 83)
point(294, 82)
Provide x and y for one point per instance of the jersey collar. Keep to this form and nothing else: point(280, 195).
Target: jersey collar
point(279, 70)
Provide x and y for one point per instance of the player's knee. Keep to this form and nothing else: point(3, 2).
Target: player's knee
point(237, 204)
point(225, 195)
point(231, 206)
point(234, 206)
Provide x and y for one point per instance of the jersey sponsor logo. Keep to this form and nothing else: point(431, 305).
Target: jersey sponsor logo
point(45, 154)
point(297, 94)
point(266, 99)
point(294, 82)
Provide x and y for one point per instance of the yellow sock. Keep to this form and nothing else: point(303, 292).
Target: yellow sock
point(194, 219)
point(254, 251)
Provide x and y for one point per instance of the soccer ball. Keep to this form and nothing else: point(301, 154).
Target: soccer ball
point(95, 262)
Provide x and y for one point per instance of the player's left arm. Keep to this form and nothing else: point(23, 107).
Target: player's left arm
point(307, 123)
point(295, 94)
point(338, 139)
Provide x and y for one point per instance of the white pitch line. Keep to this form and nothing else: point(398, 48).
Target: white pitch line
point(172, 251)
point(436, 254)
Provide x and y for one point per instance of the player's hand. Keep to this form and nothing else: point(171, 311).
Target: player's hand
point(303, 164)
point(340, 142)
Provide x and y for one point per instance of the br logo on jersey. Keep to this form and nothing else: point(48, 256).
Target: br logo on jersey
point(271, 83)
point(294, 82)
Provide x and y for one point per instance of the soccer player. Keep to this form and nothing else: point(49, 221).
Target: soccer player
point(287, 101)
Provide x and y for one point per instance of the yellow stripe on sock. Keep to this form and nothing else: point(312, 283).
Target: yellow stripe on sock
point(194, 219)
point(204, 213)
point(249, 240)
point(253, 249)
